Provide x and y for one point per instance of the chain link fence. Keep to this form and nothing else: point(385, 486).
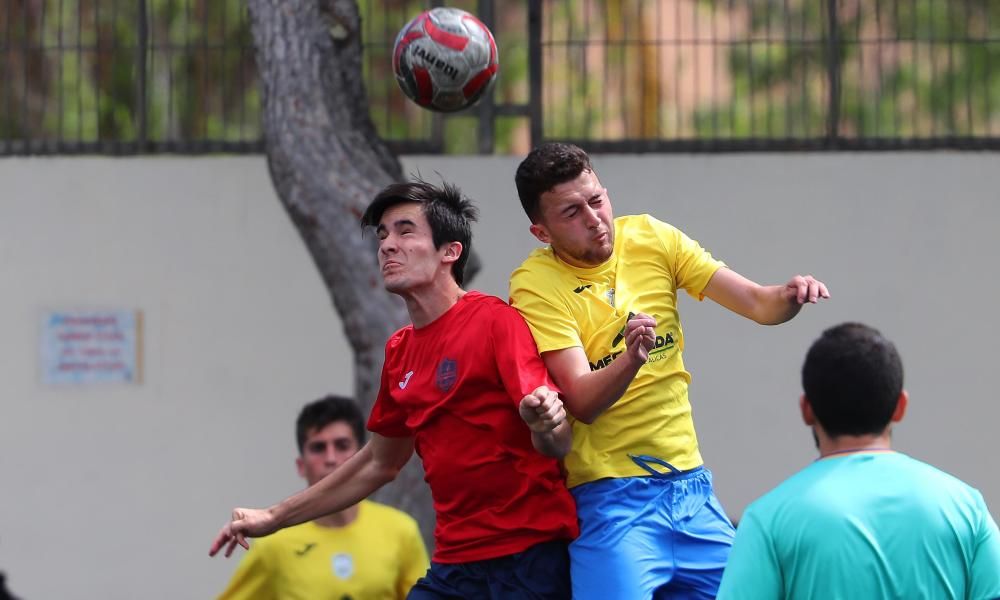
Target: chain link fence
point(148, 76)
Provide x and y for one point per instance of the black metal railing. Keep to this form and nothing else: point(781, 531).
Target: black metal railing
point(148, 76)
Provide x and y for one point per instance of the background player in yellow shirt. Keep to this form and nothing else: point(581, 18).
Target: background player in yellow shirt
point(365, 552)
point(601, 302)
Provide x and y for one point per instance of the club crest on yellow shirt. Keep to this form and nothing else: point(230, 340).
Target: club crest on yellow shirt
point(343, 565)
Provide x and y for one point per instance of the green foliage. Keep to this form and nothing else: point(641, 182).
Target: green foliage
point(906, 68)
point(613, 69)
point(85, 82)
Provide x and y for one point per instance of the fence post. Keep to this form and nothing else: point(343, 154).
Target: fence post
point(487, 106)
point(535, 70)
point(141, 52)
point(833, 75)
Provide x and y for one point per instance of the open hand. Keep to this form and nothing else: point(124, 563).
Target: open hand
point(246, 522)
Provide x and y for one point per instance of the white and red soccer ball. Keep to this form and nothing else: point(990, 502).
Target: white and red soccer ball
point(445, 59)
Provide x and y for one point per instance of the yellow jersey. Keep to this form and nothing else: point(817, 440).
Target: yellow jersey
point(378, 556)
point(567, 307)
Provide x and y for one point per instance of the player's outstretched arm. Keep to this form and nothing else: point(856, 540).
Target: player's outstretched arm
point(765, 304)
point(588, 393)
point(545, 415)
point(376, 464)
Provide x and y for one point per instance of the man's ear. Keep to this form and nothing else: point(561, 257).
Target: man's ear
point(540, 233)
point(901, 404)
point(452, 251)
point(808, 416)
point(301, 466)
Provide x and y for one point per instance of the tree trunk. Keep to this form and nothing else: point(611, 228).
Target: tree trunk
point(327, 163)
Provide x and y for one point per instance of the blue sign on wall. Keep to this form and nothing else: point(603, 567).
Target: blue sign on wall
point(91, 346)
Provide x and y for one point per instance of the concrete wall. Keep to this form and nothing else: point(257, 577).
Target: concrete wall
point(115, 491)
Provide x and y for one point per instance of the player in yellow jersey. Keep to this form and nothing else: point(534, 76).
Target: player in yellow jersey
point(601, 302)
point(366, 552)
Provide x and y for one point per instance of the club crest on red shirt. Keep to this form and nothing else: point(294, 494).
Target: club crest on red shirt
point(447, 373)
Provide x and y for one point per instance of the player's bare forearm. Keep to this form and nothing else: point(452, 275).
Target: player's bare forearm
point(765, 304)
point(587, 394)
point(772, 307)
point(373, 466)
point(376, 464)
point(555, 443)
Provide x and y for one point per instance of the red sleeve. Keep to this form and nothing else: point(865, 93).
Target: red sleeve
point(521, 369)
point(388, 418)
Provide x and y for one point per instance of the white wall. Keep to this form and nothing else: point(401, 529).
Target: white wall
point(115, 491)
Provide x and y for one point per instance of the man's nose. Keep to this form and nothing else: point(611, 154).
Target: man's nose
point(387, 245)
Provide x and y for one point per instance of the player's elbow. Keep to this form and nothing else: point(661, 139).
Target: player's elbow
point(776, 315)
point(386, 470)
point(583, 415)
point(581, 403)
point(762, 319)
point(383, 473)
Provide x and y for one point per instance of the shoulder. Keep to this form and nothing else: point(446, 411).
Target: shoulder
point(399, 337)
point(541, 263)
point(540, 272)
point(938, 479)
point(486, 307)
point(484, 301)
point(387, 516)
point(491, 312)
point(790, 493)
point(641, 221)
point(646, 233)
point(644, 224)
point(538, 257)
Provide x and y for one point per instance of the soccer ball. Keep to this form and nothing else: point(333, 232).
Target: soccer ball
point(445, 59)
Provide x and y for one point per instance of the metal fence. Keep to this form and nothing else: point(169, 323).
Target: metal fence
point(146, 76)
point(100, 76)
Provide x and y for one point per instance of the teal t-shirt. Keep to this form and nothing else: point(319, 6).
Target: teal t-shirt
point(866, 525)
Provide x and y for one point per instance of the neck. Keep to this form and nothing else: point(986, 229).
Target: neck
point(844, 444)
point(578, 264)
point(426, 305)
point(339, 519)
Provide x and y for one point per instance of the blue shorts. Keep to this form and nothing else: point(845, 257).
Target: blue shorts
point(539, 573)
point(661, 536)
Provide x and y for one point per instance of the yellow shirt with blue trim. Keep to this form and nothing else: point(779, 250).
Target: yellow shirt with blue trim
point(378, 556)
point(567, 307)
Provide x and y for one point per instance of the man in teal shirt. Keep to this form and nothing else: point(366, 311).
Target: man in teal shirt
point(862, 521)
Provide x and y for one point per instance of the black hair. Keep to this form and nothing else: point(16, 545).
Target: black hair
point(852, 378)
point(545, 167)
point(449, 213)
point(329, 409)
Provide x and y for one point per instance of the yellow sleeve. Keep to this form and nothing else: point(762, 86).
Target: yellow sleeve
point(692, 265)
point(413, 560)
point(251, 581)
point(533, 294)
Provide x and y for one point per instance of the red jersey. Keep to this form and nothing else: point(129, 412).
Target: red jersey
point(454, 386)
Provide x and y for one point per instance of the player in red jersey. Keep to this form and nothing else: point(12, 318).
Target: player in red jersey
point(458, 385)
